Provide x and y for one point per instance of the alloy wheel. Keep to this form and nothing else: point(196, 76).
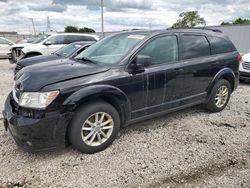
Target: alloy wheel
point(221, 96)
point(97, 129)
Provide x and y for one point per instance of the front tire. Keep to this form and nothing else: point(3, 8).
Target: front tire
point(219, 97)
point(94, 127)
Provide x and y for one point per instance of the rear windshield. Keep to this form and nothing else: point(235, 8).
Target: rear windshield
point(220, 45)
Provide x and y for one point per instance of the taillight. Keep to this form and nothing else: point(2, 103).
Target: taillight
point(239, 57)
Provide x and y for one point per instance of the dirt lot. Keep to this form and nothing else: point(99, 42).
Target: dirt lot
point(189, 148)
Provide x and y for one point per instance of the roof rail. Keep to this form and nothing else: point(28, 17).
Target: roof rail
point(202, 28)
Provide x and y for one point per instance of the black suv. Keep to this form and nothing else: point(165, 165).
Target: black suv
point(122, 79)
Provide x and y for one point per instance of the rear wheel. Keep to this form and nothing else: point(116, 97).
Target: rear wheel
point(220, 96)
point(94, 127)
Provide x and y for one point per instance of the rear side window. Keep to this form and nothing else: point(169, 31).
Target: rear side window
point(220, 45)
point(75, 38)
point(195, 46)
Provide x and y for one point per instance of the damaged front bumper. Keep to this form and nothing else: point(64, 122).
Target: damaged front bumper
point(35, 133)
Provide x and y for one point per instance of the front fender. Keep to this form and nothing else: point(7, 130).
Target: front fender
point(225, 73)
point(95, 91)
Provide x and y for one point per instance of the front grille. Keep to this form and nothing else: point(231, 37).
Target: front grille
point(16, 52)
point(18, 68)
point(246, 65)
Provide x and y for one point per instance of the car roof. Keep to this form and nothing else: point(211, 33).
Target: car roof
point(82, 34)
point(211, 32)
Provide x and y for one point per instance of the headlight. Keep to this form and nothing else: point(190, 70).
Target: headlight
point(37, 100)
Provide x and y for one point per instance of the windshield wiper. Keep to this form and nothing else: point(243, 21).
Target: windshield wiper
point(86, 60)
point(57, 54)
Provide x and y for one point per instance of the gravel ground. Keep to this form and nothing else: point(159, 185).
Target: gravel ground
point(189, 148)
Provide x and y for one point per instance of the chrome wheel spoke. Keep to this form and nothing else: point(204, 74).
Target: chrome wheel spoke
point(107, 122)
point(89, 135)
point(103, 134)
point(107, 127)
point(89, 123)
point(99, 138)
point(87, 128)
point(92, 138)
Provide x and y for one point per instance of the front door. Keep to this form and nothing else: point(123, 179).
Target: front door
point(163, 84)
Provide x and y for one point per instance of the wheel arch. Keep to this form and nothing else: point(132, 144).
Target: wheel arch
point(226, 74)
point(107, 93)
point(32, 52)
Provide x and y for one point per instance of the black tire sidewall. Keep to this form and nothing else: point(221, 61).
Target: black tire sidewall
point(86, 110)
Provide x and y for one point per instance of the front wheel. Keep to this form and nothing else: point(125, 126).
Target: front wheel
point(94, 127)
point(219, 97)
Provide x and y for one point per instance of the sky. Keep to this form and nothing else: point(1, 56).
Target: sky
point(118, 14)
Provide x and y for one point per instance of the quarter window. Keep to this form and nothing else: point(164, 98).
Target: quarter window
point(220, 45)
point(195, 46)
point(162, 50)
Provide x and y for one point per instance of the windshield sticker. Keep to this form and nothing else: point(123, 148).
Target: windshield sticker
point(139, 37)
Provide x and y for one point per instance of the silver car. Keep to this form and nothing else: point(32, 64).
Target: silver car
point(244, 68)
point(5, 46)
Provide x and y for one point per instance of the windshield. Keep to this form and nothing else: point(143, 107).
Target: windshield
point(40, 39)
point(68, 50)
point(111, 49)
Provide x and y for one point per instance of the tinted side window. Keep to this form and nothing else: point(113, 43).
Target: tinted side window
point(195, 46)
point(86, 38)
point(162, 50)
point(220, 45)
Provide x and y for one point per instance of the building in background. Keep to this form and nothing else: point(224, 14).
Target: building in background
point(239, 35)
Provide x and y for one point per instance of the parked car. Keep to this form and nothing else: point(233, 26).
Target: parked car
point(5, 45)
point(245, 68)
point(122, 79)
point(68, 51)
point(53, 43)
point(16, 49)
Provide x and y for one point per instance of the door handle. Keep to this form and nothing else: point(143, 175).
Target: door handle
point(178, 70)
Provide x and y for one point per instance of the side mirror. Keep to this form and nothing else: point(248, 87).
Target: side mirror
point(47, 43)
point(139, 64)
point(10, 44)
point(143, 60)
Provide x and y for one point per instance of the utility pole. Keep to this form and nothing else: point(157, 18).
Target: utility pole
point(48, 25)
point(102, 18)
point(32, 21)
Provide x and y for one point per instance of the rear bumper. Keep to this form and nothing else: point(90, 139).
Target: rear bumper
point(36, 135)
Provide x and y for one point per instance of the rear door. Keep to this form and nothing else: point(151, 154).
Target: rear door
point(57, 42)
point(197, 64)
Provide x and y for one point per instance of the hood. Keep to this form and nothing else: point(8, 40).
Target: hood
point(39, 59)
point(35, 77)
point(246, 57)
point(22, 45)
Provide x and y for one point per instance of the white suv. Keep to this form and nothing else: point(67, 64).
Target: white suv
point(51, 44)
point(244, 68)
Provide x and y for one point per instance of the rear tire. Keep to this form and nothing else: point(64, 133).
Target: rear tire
point(219, 97)
point(94, 127)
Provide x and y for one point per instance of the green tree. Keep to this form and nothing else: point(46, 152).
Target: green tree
point(189, 19)
point(71, 29)
point(225, 23)
point(86, 30)
point(241, 21)
point(237, 21)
